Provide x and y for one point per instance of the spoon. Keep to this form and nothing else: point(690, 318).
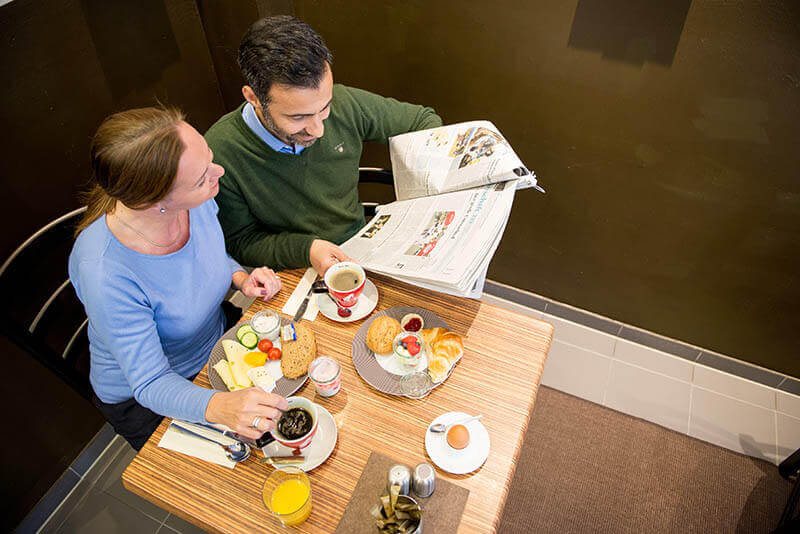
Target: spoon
point(236, 452)
point(438, 427)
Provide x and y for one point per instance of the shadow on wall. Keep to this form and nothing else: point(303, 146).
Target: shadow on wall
point(149, 45)
point(630, 30)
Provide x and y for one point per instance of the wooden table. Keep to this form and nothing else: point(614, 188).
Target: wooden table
point(504, 355)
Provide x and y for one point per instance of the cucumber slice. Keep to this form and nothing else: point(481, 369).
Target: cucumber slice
point(249, 340)
point(245, 328)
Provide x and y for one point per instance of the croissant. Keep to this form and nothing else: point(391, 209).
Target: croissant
point(448, 345)
point(430, 334)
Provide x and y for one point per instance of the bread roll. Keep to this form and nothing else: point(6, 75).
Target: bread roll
point(381, 334)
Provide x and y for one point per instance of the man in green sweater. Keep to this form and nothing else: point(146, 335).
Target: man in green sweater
point(291, 151)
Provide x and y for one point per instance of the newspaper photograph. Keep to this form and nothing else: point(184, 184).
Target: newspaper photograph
point(444, 242)
point(454, 157)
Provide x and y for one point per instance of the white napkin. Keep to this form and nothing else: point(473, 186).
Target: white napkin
point(300, 292)
point(178, 441)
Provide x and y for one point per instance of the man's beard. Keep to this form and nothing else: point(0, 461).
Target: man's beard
point(286, 137)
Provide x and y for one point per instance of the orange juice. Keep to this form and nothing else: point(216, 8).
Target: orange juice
point(288, 497)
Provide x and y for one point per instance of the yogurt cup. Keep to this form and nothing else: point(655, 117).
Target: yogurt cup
point(326, 373)
point(266, 324)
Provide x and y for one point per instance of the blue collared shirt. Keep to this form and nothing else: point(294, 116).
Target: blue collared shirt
point(251, 119)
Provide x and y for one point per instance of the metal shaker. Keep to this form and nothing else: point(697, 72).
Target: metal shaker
point(423, 480)
point(399, 475)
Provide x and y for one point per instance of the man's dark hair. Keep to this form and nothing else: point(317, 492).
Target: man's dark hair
point(282, 50)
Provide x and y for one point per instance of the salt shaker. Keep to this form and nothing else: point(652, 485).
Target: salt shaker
point(399, 475)
point(424, 480)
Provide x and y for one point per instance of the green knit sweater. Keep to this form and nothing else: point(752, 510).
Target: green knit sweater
point(272, 205)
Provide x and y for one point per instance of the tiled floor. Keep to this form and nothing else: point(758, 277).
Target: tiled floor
point(105, 506)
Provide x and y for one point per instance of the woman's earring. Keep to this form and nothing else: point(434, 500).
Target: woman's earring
point(163, 210)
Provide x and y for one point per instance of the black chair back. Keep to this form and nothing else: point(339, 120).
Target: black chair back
point(381, 177)
point(41, 312)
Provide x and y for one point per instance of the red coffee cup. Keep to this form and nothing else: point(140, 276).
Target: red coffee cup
point(345, 282)
point(304, 440)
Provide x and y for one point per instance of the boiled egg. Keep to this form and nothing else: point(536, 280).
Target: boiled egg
point(458, 436)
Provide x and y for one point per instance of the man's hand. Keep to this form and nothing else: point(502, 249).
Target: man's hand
point(262, 282)
point(323, 254)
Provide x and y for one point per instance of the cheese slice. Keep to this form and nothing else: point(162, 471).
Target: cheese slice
point(262, 378)
point(235, 353)
point(223, 369)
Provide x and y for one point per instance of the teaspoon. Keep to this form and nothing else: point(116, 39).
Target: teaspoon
point(236, 452)
point(438, 427)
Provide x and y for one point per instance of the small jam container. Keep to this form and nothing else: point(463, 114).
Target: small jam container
point(326, 373)
point(399, 475)
point(401, 349)
point(423, 480)
point(266, 324)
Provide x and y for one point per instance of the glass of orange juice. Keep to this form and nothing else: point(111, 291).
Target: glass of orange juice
point(287, 494)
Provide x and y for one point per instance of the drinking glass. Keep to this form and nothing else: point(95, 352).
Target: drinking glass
point(287, 495)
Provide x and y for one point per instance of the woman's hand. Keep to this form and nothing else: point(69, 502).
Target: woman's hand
point(262, 282)
point(239, 409)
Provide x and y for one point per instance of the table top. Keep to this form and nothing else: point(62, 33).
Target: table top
point(498, 376)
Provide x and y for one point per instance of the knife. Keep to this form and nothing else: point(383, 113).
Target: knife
point(316, 287)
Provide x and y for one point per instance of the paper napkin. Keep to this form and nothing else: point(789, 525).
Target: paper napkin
point(178, 441)
point(300, 292)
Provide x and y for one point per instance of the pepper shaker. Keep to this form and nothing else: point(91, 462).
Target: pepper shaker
point(399, 475)
point(424, 480)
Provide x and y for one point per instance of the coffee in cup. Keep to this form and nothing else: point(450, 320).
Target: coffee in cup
point(345, 282)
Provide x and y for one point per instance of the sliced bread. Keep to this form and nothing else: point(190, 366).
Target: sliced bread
point(298, 354)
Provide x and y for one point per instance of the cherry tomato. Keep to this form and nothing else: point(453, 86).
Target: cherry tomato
point(274, 353)
point(264, 345)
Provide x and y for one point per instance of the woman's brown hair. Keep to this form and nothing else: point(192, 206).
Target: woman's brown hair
point(134, 157)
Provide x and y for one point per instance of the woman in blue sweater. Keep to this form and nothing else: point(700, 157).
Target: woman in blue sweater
point(149, 265)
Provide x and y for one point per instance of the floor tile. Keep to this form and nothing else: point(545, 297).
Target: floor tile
point(580, 336)
point(670, 346)
point(512, 294)
point(788, 404)
point(184, 527)
point(50, 502)
point(788, 435)
point(583, 318)
point(740, 368)
point(576, 371)
point(100, 513)
point(733, 424)
point(651, 396)
point(734, 386)
point(513, 306)
point(111, 483)
point(653, 360)
point(93, 451)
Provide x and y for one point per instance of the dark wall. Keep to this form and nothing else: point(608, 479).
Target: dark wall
point(66, 65)
point(665, 133)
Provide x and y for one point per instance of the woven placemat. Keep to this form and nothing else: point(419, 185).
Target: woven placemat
point(283, 386)
point(364, 360)
point(441, 511)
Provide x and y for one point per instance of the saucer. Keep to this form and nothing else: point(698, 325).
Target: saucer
point(321, 445)
point(366, 303)
point(458, 462)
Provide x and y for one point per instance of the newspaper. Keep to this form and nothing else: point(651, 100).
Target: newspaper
point(456, 186)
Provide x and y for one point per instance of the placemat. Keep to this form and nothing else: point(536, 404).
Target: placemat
point(364, 359)
point(441, 511)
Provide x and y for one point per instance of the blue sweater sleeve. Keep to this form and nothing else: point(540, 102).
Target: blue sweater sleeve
point(121, 316)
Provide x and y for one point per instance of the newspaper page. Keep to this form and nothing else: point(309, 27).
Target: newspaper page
point(452, 158)
point(444, 242)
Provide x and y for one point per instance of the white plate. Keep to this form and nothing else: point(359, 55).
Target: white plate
point(321, 446)
point(454, 461)
point(366, 303)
